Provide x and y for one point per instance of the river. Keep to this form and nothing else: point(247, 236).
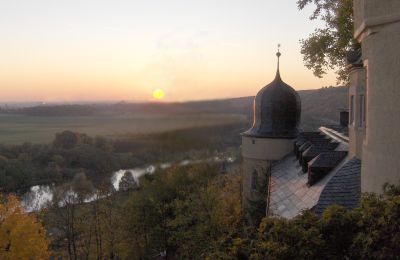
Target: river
point(39, 196)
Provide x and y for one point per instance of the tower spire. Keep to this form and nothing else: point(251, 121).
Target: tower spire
point(278, 54)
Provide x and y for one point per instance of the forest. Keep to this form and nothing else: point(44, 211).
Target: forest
point(181, 212)
point(25, 165)
point(193, 212)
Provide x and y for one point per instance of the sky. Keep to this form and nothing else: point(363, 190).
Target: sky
point(104, 50)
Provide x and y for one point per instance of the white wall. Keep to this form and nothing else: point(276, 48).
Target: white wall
point(378, 29)
point(272, 149)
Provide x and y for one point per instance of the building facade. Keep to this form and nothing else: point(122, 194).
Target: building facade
point(376, 111)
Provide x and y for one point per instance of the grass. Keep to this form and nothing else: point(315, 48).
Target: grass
point(17, 129)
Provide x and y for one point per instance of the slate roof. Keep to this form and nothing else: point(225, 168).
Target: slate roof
point(308, 135)
point(321, 165)
point(340, 183)
point(277, 109)
point(328, 159)
point(316, 149)
point(289, 193)
point(344, 188)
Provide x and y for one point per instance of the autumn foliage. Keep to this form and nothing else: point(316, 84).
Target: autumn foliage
point(21, 235)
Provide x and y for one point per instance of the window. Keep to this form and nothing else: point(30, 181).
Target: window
point(254, 180)
point(351, 109)
point(253, 141)
point(361, 119)
point(366, 100)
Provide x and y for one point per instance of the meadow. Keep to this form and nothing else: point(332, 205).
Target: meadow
point(17, 129)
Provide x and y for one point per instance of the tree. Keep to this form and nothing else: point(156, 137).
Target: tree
point(85, 230)
point(338, 227)
point(326, 48)
point(379, 224)
point(21, 235)
point(284, 239)
point(127, 182)
point(181, 213)
point(370, 231)
point(63, 216)
point(82, 187)
point(66, 140)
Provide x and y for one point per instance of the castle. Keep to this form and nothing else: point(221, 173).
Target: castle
point(292, 170)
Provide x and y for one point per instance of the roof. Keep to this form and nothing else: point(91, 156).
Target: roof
point(277, 109)
point(316, 149)
point(337, 132)
point(343, 189)
point(328, 159)
point(289, 193)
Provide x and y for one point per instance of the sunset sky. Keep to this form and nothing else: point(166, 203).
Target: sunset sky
point(95, 50)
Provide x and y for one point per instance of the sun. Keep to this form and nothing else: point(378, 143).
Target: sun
point(158, 94)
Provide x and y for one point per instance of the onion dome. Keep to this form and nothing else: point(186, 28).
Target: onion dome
point(277, 110)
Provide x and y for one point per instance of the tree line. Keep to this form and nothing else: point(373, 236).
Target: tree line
point(194, 212)
point(22, 166)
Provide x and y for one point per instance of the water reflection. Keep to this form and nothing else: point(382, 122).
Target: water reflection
point(37, 197)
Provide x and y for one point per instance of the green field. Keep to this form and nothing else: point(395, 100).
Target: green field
point(16, 129)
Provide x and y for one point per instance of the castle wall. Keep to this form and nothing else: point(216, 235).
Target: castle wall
point(357, 116)
point(250, 192)
point(272, 149)
point(258, 156)
point(378, 29)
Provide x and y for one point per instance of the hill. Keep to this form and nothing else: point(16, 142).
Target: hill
point(319, 106)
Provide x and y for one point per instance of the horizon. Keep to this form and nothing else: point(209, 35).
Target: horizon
point(97, 50)
point(115, 101)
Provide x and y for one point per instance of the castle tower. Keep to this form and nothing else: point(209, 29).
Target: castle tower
point(377, 27)
point(277, 110)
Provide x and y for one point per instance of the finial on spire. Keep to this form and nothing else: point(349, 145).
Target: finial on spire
point(278, 54)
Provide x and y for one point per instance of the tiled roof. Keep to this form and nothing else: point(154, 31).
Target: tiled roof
point(321, 165)
point(343, 189)
point(328, 159)
point(308, 135)
point(289, 193)
point(327, 182)
point(316, 149)
point(304, 146)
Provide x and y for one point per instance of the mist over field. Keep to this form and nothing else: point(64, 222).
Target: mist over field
point(38, 124)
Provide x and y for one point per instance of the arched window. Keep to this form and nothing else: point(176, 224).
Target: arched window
point(254, 180)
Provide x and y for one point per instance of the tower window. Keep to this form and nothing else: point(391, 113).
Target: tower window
point(253, 141)
point(365, 99)
point(254, 180)
point(362, 111)
point(351, 109)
